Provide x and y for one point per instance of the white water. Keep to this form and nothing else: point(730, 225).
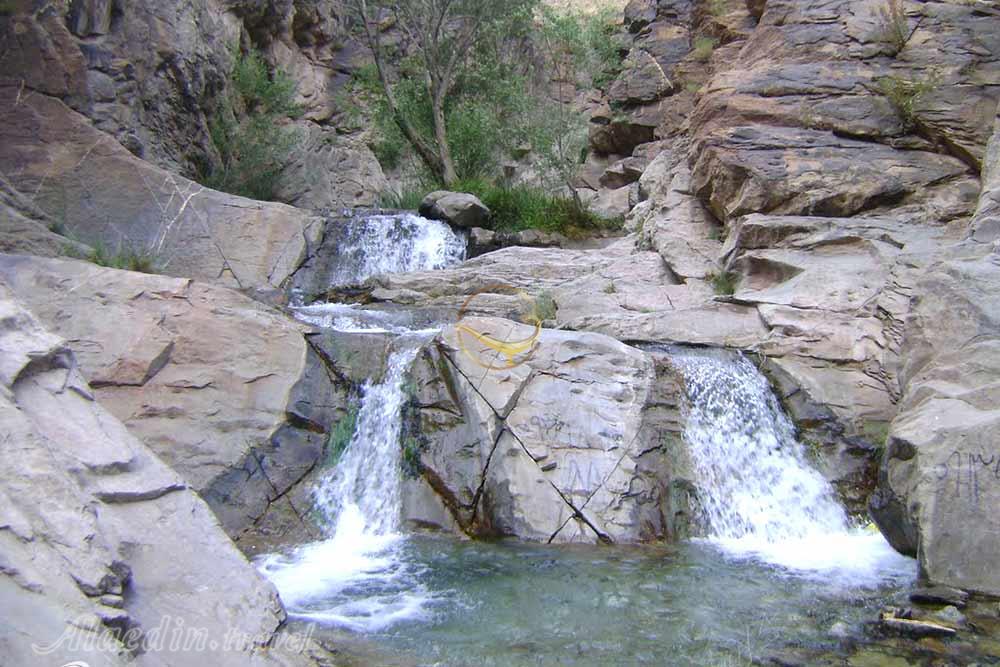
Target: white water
point(351, 318)
point(759, 496)
point(379, 244)
point(359, 578)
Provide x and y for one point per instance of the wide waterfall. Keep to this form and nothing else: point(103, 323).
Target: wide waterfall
point(380, 244)
point(758, 494)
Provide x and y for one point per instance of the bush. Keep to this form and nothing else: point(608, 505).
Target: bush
point(248, 129)
point(519, 207)
point(893, 26)
point(724, 282)
point(126, 258)
point(905, 94)
point(704, 47)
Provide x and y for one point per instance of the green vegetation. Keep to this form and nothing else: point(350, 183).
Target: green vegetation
point(724, 282)
point(893, 26)
point(126, 258)
point(717, 7)
point(6, 7)
point(905, 94)
point(249, 129)
point(704, 47)
point(407, 200)
point(340, 436)
point(410, 462)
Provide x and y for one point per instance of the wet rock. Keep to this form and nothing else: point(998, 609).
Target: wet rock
point(940, 595)
point(457, 208)
point(225, 390)
point(893, 622)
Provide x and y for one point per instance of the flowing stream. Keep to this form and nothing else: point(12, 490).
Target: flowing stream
point(779, 562)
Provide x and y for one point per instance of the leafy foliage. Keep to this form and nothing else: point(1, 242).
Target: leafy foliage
point(704, 47)
point(248, 131)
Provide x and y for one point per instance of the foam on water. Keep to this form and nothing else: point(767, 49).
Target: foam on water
point(758, 495)
point(351, 318)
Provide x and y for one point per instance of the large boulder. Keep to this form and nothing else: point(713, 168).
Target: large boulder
point(105, 550)
point(577, 441)
point(940, 483)
point(457, 208)
point(100, 193)
point(227, 391)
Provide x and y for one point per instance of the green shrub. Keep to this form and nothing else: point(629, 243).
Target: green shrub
point(516, 208)
point(126, 258)
point(893, 26)
point(905, 94)
point(407, 200)
point(724, 282)
point(340, 436)
point(248, 129)
point(703, 48)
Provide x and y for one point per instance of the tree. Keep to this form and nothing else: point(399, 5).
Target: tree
point(443, 35)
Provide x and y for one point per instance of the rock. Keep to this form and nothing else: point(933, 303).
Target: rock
point(890, 623)
point(611, 204)
point(986, 223)
point(328, 173)
point(641, 81)
point(619, 133)
point(102, 193)
point(456, 208)
point(940, 595)
point(951, 616)
point(639, 14)
point(224, 389)
point(579, 443)
point(938, 465)
point(27, 230)
point(756, 169)
point(153, 551)
point(622, 173)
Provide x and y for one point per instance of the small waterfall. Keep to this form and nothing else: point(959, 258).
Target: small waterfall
point(759, 496)
point(359, 578)
point(399, 243)
point(366, 481)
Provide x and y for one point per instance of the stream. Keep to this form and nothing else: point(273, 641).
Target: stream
point(779, 563)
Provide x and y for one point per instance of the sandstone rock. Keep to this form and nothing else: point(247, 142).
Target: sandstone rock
point(574, 445)
point(25, 229)
point(940, 595)
point(619, 134)
point(622, 173)
point(225, 390)
point(457, 208)
point(986, 224)
point(94, 517)
point(100, 192)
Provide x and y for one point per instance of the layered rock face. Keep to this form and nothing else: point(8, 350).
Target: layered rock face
point(226, 391)
point(105, 549)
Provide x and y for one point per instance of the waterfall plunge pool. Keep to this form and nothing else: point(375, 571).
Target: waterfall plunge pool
point(439, 600)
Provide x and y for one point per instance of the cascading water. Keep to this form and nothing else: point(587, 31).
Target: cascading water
point(758, 494)
point(358, 578)
point(379, 244)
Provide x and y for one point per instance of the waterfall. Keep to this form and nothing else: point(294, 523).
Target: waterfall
point(358, 577)
point(378, 244)
point(366, 482)
point(759, 496)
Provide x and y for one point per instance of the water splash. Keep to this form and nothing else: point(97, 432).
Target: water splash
point(359, 578)
point(759, 496)
point(380, 244)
